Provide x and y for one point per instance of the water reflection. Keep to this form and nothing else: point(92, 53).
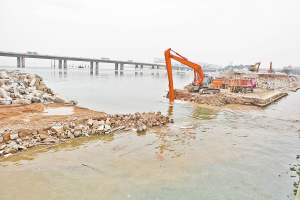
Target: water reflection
point(65, 73)
point(170, 110)
point(204, 113)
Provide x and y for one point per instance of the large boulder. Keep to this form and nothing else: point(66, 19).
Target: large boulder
point(5, 87)
point(59, 99)
point(3, 75)
point(25, 101)
point(57, 129)
point(14, 136)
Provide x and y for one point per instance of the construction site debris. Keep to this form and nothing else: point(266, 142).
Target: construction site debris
point(264, 88)
point(15, 138)
point(24, 88)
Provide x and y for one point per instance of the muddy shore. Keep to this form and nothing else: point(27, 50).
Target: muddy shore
point(31, 114)
point(25, 126)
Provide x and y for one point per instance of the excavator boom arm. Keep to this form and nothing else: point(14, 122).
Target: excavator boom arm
point(198, 71)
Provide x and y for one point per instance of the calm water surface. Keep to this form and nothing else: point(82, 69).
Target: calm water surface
point(205, 154)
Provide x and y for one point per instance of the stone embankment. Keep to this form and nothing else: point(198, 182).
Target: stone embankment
point(23, 126)
point(12, 140)
point(23, 88)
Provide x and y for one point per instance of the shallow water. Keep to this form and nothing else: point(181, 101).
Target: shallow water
point(205, 154)
point(59, 111)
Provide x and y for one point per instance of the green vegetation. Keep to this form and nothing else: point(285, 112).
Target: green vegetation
point(291, 71)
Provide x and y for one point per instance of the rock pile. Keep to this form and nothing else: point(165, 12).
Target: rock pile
point(22, 88)
point(219, 99)
point(277, 82)
point(53, 133)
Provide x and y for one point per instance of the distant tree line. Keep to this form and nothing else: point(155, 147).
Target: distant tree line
point(291, 71)
point(237, 66)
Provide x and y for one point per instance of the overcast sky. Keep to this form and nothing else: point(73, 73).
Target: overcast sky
point(210, 31)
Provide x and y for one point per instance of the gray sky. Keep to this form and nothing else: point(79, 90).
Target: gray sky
point(210, 31)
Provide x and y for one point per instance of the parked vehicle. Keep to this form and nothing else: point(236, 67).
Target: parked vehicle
point(241, 85)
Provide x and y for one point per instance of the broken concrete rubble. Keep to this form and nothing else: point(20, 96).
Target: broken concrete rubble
point(13, 140)
point(22, 88)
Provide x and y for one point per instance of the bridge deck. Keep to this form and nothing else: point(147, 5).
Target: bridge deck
point(40, 56)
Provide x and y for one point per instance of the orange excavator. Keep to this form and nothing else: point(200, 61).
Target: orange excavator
point(198, 85)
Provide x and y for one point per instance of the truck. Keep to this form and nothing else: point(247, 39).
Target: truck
point(30, 52)
point(241, 85)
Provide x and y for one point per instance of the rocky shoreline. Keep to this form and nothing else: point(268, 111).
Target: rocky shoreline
point(19, 90)
point(24, 88)
point(12, 140)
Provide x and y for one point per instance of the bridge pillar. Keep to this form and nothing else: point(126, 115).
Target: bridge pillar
point(116, 66)
point(142, 67)
point(65, 64)
point(136, 66)
point(152, 67)
point(59, 63)
point(18, 62)
point(157, 67)
point(23, 61)
point(97, 65)
point(122, 66)
point(91, 65)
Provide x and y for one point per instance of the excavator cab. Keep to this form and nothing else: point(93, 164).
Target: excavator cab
point(210, 81)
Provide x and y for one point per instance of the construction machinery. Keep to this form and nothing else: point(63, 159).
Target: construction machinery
point(271, 70)
point(254, 68)
point(202, 84)
point(241, 85)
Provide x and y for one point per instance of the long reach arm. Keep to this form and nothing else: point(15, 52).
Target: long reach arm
point(198, 73)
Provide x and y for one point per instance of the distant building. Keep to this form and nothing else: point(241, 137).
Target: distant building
point(289, 67)
point(297, 68)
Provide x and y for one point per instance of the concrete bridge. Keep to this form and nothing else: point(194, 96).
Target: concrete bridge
point(64, 59)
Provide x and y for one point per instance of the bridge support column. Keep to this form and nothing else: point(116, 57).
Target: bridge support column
point(152, 67)
point(18, 62)
point(116, 66)
point(142, 67)
point(122, 66)
point(157, 67)
point(65, 64)
point(23, 62)
point(91, 65)
point(60, 64)
point(136, 66)
point(97, 65)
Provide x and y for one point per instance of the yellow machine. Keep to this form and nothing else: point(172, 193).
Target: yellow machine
point(254, 68)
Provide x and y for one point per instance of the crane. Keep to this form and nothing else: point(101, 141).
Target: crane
point(271, 70)
point(198, 75)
